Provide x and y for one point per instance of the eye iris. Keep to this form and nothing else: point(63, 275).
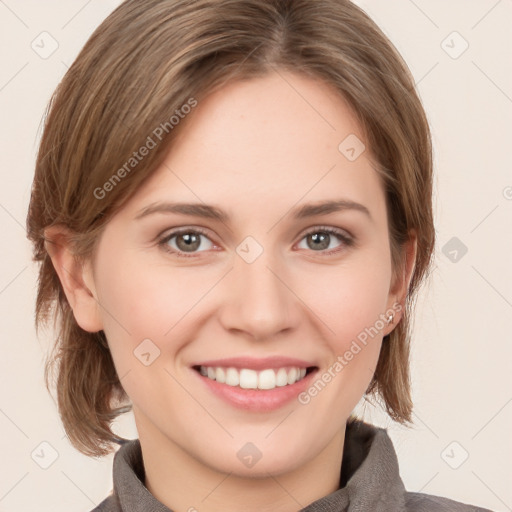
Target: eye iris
point(192, 241)
point(323, 238)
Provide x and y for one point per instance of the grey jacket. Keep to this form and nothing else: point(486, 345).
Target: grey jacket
point(369, 480)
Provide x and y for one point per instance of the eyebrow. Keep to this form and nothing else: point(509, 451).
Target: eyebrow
point(212, 212)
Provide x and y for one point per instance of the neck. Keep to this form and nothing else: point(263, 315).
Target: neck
point(184, 484)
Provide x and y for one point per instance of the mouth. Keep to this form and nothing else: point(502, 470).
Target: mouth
point(248, 378)
point(255, 384)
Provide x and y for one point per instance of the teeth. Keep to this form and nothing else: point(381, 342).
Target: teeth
point(281, 377)
point(251, 379)
point(292, 375)
point(220, 375)
point(266, 379)
point(232, 377)
point(248, 379)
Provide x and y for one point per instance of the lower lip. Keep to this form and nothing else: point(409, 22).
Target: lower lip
point(258, 400)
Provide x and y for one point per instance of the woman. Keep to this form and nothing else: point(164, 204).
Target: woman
point(241, 337)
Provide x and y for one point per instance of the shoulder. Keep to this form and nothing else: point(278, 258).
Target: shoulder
point(419, 502)
point(109, 504)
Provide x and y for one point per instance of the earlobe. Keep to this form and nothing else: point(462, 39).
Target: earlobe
point(75, 277)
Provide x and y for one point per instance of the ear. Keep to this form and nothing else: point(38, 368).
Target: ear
point(402, 279)
point(76, 278)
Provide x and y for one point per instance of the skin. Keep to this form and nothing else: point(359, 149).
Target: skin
point(256, 149)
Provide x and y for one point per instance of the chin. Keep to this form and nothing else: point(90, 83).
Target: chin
point(251, 461)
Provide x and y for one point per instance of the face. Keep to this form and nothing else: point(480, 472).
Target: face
point(264, 288)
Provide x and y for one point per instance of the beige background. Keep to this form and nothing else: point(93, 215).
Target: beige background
point(462, 345)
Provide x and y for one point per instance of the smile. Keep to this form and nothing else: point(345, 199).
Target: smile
point(247, 378)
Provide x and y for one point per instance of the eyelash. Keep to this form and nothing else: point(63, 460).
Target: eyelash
point(347, 240)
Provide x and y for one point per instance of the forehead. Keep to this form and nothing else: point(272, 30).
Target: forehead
point(268, 140)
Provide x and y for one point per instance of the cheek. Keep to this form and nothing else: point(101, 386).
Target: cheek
point(144, 310)
point(348, 299)
point(141, 300)
point(349, 315)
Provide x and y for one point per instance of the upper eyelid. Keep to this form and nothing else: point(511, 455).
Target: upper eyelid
point(178, 231)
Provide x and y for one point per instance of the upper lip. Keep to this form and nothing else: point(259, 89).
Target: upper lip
point(254, 363)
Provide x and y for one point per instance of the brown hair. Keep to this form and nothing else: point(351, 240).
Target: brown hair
point(142, 65)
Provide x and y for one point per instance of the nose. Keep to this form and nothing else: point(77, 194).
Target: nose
point(258, 299)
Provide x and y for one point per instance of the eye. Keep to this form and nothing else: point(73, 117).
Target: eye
point(187, 241)
point(321, 237)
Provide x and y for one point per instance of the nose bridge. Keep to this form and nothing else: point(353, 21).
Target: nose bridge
point(262, 304)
